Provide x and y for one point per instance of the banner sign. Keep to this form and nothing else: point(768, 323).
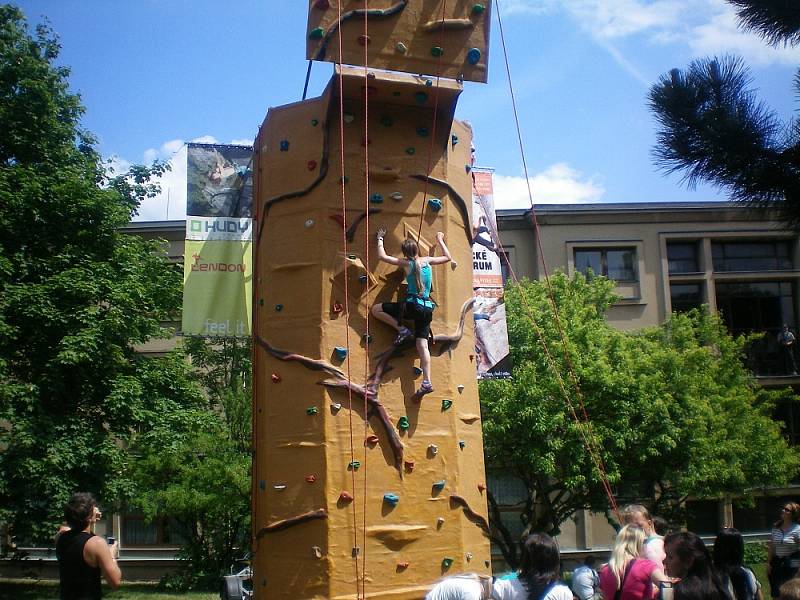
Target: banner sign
point(491, 334)
point(217, 274)
point(217, 288)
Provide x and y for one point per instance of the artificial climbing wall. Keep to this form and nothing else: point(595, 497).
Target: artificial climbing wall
point(343, 508)
point(438, 37)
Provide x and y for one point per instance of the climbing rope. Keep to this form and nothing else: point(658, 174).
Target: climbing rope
point(584, 425)
point(342, 179)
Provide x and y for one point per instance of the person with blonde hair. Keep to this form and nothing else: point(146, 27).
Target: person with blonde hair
point(790, 590)
point(629, 575)
point(654, 543)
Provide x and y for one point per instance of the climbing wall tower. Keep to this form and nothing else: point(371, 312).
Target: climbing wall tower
point(359, 489)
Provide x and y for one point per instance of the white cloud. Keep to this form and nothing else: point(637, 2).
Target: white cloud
point(170, 203)
point(609, 19)
point(242, 142)
point(557, 184)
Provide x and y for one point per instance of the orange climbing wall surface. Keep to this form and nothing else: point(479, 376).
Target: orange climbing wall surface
point(436, 37)
point(304, 417)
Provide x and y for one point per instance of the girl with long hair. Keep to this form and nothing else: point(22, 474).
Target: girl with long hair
point(741, 582)
point(629, 575)
point(539, 574)
point(784, 548)
point(688, 559)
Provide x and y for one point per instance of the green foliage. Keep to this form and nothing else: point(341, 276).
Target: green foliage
point(76, 295)
point(755, 553)
point(672, 411)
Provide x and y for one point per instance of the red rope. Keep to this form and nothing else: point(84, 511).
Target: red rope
point(346, 291)
point(591, 443)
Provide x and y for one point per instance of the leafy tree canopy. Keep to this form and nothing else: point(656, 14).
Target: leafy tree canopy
point(672, 411)
point(76, 295)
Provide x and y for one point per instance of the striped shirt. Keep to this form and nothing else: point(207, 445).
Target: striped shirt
point(785, 543)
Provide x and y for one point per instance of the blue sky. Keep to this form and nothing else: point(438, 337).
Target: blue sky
point(156, 73)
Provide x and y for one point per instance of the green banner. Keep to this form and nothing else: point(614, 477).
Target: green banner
point(217, 288)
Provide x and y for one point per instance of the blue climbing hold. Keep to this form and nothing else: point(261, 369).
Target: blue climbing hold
point(462, 444)
point(421, 97)
point(362, 278)
point(435, 204)
point(340, 352)
point(473, 56)
point(284, 145)
point(422, 131)
point(438, 485)
point(376, 198)
point(454, 139)
point(417, 371)
point(279, 307)
point(391, 499)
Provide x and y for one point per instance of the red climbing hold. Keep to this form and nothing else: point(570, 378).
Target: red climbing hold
point(312, 164)
point(311, 478)
point(275, 378)
point(409, 465)
point(346, 497)
point(481, 487)
point(363, 40)
point(337, 307)
point(402, 566)
point(372, 439)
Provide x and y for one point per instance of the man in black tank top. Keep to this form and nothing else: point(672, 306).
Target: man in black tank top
point(83, 556)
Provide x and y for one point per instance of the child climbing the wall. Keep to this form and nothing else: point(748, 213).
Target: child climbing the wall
point(417, 306)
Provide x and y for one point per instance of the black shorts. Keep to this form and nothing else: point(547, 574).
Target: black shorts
point(412, 312)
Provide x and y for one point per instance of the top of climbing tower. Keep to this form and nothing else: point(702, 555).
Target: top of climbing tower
point(430, 37)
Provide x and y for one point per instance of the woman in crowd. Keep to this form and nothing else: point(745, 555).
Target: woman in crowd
point(784, 548)
point(636, 514)
point(740, 581)
point(539, 575)
point(629, 575)
point(688, 560)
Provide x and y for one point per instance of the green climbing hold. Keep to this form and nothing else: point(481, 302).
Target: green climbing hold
point(314, 122)
point(403, 424)
point(437, 51)
point(478, 9)
point(447, 563)
point(353, 465)
point(401, 48)
point(311, 410)
point(421, 97)
point(318, 32)
point(410, 150)
point(352, 256)
point(279, 307)
point(376, 198)
point(446, 404)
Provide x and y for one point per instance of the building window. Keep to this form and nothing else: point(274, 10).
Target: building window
point(752, 256)
point(682, 257)
point(618, 264)
point(158, 532)
point(685, 296)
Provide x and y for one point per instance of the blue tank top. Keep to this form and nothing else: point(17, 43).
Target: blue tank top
point(425, 276)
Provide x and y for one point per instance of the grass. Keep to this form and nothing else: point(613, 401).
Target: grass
point(48, 590)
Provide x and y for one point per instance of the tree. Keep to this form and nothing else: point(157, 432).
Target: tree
point(200, 477)
point(713, 128)
point(671, 410)
point(76, 295)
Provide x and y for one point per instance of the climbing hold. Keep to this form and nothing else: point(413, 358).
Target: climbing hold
point(311, 410)
point(468, 168)
point(477, 9)
point(337, 307)
point(314, 122)
point(309, 223)
point(355, 551)
point(468, 556)
point(275, 378)
point(487, 563)
point(433, 449)
point(446, 404)
point(447, 563)
point(437, 51)
point(349, 117)
point(417, 371)
point(440, 522)
point(262, 485)
point(400, 48)
point(311, 478)
point(409, 465)
point(396, 196)
point(261, 302)
point(429, 82)
point(481, 487)
point(422, 131)
point(363, 278)
point(322, 4)
point(454, 139)
point(316, 551)
point(410, 150)
point(460, 388)
point(401, 566)
point(387, 121)
point(351, 257)
point(353, 465)
point(372, 439)
point(462, 444)
point(316, 33)
point(403, 424)
point(376, 198)
point(344, 179)
point(311, 165)
point(279, 487)
point(421, 97)
point(435, 204)
point(336, 407)
point(346, 497)
point(340, 352)
point(438, 485)
point(284, 145)
point(473, 56)
point(278, 307)
point(363, 40)
point(471, 357)
point(367, 338)
point(391, 499)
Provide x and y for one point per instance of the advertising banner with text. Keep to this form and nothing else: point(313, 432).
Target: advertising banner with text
point(491, 334)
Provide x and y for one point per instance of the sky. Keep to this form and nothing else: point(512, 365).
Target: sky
point(155, 74)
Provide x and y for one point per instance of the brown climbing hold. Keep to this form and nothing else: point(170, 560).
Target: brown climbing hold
point(275, 378)
point(311, 478)
point(363, 40)
point(346, 497)
point(337, 307)
point(372, 439)
point(481, 487)
point(409, 465)
point(312, 164)
point(471, 357)
point(402, 566)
